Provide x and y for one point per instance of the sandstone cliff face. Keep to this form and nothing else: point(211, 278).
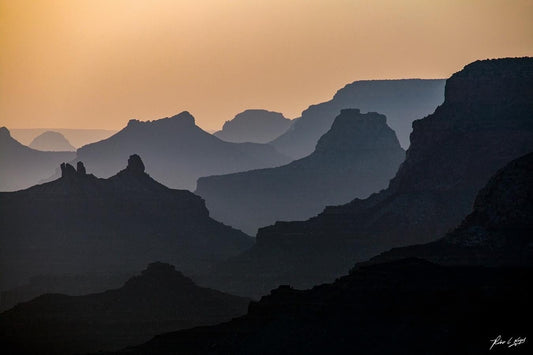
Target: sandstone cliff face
point(80, 223)
point(453, 154)
point(356, 157)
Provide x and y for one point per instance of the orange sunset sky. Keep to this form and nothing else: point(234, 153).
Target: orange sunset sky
point(98, 63)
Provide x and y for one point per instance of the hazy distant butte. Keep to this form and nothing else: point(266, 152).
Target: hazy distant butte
point(256, 126)
point(402, 101)
point(356, 157)
point(177, 152)
point(22, 167)
point(485, 122)
point(51, 141)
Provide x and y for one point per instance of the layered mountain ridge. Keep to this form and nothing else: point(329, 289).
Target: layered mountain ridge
point(177, 152)
point(22, 167)
point(410, 305)
point(402, 101)
point(80, 223)
point(397, 301)
point(356, 157)
point(453, 153)
point(158, 300)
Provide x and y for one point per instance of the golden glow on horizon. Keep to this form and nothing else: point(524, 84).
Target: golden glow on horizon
point(98, 63)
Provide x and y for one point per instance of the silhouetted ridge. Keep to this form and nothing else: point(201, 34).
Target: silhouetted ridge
point(258, 126)
point(409, 306)
point(453, 154)
point(158, 300)
point(87, 224)
point(176, 152)
point(356, 157)
point(22, 167)
point(499, 230)
point(402, 101)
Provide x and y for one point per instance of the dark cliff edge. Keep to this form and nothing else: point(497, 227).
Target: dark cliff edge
point(485, 122)
point(400, 303)
point(407, 306)
point(499, 230)
point(158, 300)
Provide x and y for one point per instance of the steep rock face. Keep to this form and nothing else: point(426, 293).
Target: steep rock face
point(51, 141)
point(158, 300)
point(356, 157)
point(402, 101)
point(21, 166)
point(453, 154)
point(256, 126)
point(80, 223)
point(177, 152)
point(409, 307)
point(499, 231)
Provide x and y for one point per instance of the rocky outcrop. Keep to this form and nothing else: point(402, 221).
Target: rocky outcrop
point(409, 307)
point(356, 157)
point(256, 126)
point(22, 167)
point(158, 300)
point(402, 101)
point(51, 141)
point(453, 154)
point(499, 230)
point(80, 224)
point(177, 152)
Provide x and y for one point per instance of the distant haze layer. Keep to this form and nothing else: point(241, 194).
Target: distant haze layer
point(98, 63)
point(76, 137)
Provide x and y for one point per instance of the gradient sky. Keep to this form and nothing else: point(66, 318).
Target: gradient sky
point(98, 63)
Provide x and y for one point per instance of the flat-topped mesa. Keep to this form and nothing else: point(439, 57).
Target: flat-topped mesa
point(475, 83)
point(356, 131)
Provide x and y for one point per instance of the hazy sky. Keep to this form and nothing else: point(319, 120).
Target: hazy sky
point(98, 63)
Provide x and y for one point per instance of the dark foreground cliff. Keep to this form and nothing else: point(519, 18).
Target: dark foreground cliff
point(409, 306)
point(80, 223)
point(499, 231)
point(485, 122)
point(158, 300)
